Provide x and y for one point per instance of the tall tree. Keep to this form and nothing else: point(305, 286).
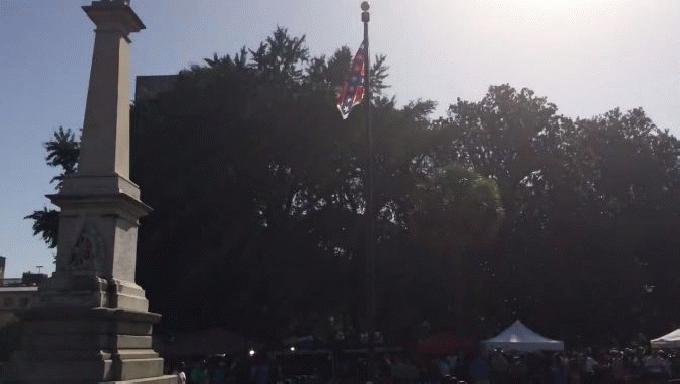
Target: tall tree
point(502, 209)
point(62, 152)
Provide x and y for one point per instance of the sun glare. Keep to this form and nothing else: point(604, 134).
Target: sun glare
point(551, 7)
point(555, 5)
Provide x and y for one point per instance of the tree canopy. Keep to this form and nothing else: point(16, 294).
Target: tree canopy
point(501, 209)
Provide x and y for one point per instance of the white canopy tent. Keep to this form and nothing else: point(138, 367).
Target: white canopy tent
point(671, 340)
point(518, 337)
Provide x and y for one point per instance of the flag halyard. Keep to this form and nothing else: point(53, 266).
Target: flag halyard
point(352, 91)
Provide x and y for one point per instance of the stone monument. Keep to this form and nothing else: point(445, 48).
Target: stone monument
point(90, 322)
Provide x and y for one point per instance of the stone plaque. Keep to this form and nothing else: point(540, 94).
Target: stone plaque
point(88, 251)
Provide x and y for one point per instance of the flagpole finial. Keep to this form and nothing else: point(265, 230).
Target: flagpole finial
point(365, 16)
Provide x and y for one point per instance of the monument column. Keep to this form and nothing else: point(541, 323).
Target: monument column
point(90, 322)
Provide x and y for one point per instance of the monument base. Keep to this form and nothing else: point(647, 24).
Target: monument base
point(167, 379)
point(87, 346)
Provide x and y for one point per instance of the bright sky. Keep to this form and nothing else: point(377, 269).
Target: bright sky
point(587, 56)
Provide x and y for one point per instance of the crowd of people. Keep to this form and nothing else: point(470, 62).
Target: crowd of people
point(499, 367)
point(221, 370)
point(487, 367)
point(251, 368)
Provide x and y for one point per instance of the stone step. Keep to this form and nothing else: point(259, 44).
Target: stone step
point(166, 379)
point(91, 371)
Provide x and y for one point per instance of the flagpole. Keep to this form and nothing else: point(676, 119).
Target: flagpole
point(370, 204)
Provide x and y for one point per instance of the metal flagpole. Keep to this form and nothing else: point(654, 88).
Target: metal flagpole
point(370, 204)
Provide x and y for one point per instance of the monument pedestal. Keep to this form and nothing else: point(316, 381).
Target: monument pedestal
point(91, 322)
point(96, 345)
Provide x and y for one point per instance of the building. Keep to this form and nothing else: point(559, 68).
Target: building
point(16, 294)
point(149, 87)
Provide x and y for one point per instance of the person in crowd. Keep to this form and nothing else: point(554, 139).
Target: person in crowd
point(589, 368)
point(574, 369)
point(480, 369)
point(675, 365)
point(452, 359)
point(219, 374)
point(639, 361)
point(558, 370)
point(179, 371)
point(463, 366)
point(397, 369)
point(199, 374)
point(239, 370)
point(411, 371)
point(433, 371)
point(617, 366)
point(443, 367)
point(499, 367)
point(534, 364)
point(517, 372)
point(657, 367)
point(259, 373)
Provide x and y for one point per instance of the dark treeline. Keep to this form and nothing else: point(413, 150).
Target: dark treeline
point(502, 209)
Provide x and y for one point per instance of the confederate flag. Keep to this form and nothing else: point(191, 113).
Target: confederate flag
point(352, 91)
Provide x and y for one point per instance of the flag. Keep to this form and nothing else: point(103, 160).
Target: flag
point(352, 91)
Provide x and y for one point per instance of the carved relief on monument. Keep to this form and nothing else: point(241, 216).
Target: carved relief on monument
point(88, 251)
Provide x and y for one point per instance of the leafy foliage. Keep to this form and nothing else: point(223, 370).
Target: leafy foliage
point(281, 55)
point(501, 209)
point(46, 224)
point(62, 152)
